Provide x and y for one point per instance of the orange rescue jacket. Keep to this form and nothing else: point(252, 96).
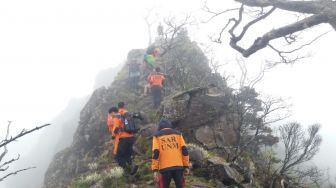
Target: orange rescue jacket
point(156, 79)
point(169, 151)
point(116, 130)
point(119, 125)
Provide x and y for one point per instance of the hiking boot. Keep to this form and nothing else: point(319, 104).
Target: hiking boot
point(134, 169)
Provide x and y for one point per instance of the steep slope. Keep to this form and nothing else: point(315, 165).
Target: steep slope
point(202, 113)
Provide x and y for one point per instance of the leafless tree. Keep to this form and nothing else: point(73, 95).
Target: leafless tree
point(256, 114)
point(149, 25)
point(255, 118)
point(183, 61)
point(170, 29)
point(299, 147)
point(4, 164)
point(315, 13)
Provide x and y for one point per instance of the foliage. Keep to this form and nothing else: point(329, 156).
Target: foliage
point(204, 152)
point(254, 119)
point(186, 63)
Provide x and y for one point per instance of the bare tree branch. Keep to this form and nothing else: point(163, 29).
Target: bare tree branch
point(5, 165)
point(171, 31)
point(306, 7)
point(317, 12)
point(215, 14)
point(298, 148)
point(149, 25)
point(6, 137)
point(23, 132)
point(263, 41)
point(14, 173)
point(9, 162)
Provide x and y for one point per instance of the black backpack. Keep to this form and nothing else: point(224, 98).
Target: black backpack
point(130, 121)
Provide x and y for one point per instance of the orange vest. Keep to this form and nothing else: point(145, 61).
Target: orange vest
point(169, 150)
point(156, 79)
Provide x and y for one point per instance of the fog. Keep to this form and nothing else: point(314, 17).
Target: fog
point(51, 53)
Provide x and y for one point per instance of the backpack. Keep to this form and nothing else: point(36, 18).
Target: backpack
point(149, 59)
point(131, 125)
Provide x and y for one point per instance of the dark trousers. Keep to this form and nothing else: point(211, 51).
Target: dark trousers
point(176, 175)
point(157, 95)
point(125, 151)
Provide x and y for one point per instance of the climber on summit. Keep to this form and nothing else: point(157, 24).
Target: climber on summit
point(156, 80)
point(170, 158)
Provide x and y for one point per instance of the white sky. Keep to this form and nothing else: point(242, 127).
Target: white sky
point(51, 51)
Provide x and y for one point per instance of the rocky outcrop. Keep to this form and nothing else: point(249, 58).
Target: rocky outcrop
point(204, 114)
point(91, 129)
point(203, 117)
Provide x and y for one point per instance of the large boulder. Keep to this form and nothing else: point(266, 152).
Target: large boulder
point(223, 172)
point(203, 117)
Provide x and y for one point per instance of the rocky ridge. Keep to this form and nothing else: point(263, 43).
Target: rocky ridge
point(203, 112)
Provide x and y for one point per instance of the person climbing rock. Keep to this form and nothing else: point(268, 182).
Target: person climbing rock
point(134, 75)
point(156, 80)
point(152, 54)
point(170, 158)
point(113, 121)
point(126, 140)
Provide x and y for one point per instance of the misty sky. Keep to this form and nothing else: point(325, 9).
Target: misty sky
point(51, 51)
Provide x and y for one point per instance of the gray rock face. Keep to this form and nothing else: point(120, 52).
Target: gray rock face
point(202, 114)
point(223, 172)
point(202, 117)
point(90, 133)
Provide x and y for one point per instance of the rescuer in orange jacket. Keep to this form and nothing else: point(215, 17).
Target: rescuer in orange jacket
point(113, 121)
point(124, 147)
point(170, 158)
point(156, 80)
point(110, 121)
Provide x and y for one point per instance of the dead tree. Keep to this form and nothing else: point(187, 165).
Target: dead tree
point(170, 30)
point(255, 119)
point(299, 147)
point(315, 12)
point(4, 164)
point(255, 114)
point(149, 25)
